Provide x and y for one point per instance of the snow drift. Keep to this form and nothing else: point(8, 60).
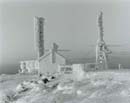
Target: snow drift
point(96, 87)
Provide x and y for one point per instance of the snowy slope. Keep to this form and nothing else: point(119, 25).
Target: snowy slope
point(97, 87)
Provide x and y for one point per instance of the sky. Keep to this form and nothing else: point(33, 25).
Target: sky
point(70, 23)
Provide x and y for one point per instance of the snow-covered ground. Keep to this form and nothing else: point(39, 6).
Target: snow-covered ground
point(112, 86)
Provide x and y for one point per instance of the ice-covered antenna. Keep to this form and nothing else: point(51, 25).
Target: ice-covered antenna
point(102, 50)
point(100, 24)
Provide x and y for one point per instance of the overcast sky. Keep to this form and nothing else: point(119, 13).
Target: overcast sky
point(71, 24)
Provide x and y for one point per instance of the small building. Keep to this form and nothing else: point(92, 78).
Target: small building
point(49, 61)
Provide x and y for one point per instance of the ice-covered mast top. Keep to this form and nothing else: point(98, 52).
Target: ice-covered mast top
point(102, 50)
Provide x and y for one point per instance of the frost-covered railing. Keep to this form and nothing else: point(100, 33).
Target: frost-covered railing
point(90, 67)
point(68, 69)
point(65, 69)
point(30, 66)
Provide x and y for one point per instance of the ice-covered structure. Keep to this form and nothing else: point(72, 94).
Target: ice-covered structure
point(78, 72)
point(65, 69)
point(47, 60)
point(90, 67)
point(75, 71)
point(50, 61)
point(30, 66)
point(102, 50)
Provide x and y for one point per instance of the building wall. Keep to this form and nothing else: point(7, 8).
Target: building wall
point(46, 64)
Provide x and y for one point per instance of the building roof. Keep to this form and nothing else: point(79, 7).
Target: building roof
point(48, 53)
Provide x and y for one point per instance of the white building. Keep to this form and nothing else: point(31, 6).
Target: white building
point(50, 61)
